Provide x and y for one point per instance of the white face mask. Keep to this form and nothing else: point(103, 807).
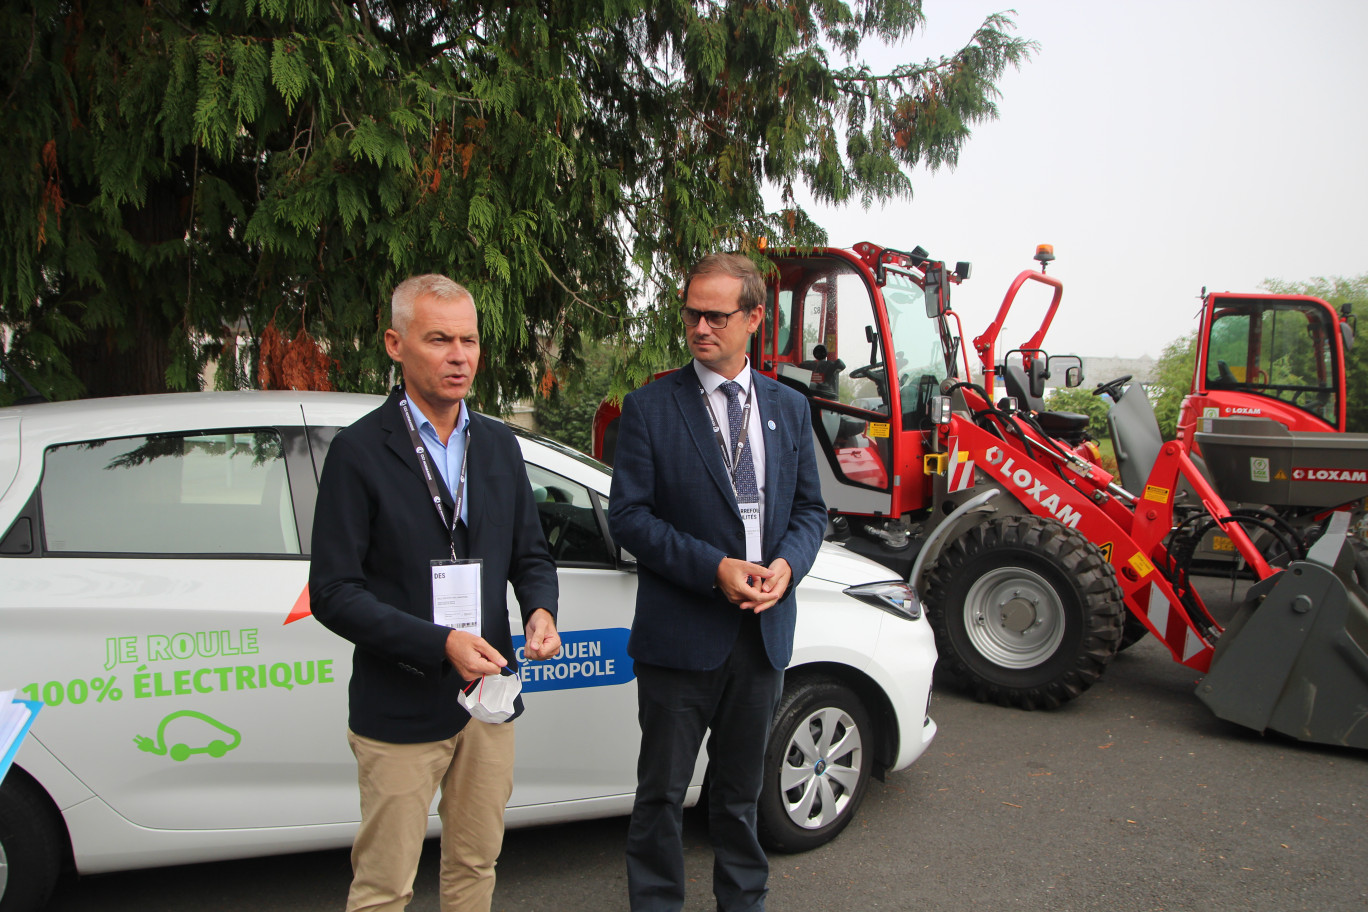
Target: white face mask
point(490, 698)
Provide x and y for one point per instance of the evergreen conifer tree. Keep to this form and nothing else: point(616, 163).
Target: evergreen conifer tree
point(190, 182)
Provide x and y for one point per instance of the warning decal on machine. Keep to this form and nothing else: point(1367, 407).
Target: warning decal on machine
point(1156, 493)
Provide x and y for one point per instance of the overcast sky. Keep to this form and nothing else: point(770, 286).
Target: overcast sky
point(1160, 146)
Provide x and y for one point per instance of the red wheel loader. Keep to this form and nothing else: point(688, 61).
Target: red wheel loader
point(1030, 556)
point(1272, 356)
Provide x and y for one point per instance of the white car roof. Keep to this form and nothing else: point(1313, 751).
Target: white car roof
point(91, 418)
point(42, 424)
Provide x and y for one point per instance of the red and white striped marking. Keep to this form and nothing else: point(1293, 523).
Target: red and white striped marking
point(1163, 615)
point(960, 472)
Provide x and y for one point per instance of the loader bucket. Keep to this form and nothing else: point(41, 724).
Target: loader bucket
point(1295, 657)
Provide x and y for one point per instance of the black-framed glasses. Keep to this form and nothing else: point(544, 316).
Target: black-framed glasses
point(716, 318)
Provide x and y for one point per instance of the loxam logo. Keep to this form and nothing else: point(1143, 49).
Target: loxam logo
point(1032, 486)
point(1314, 474)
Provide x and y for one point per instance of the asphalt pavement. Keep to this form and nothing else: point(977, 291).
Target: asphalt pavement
point(1132, 798)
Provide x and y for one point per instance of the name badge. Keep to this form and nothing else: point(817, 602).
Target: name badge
point(750, 520)
point(456, 594)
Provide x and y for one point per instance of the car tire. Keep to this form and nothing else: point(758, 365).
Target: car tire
point(30, 845)
point(1027, 612)
point(817, 765)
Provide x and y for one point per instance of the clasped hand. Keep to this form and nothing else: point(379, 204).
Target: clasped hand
point(753, 587)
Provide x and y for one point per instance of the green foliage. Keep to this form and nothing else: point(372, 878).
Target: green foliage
point(1338, 291)
point(567, 413)
point(182, 174)
point(1172, 381)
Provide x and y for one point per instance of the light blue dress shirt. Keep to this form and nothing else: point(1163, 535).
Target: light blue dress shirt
point(446, 457)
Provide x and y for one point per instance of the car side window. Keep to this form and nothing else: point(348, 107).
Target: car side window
point(569, 519)
point(201, 493)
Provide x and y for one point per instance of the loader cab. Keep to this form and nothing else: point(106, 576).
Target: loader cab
point(852, 334)
point(1268, 356)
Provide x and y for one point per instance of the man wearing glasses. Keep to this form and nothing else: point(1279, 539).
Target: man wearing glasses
point(715, 492)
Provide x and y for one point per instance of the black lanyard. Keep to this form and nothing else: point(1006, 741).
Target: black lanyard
point(731, 458)
point(430, 473)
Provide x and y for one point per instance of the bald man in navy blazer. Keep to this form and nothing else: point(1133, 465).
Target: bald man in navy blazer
point(723, 524)
point(396, 495)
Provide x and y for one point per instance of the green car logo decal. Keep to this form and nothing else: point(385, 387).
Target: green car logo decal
point(182, 750)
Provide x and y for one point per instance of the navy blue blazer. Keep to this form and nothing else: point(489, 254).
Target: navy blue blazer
point(673, 508)
point(375, 531)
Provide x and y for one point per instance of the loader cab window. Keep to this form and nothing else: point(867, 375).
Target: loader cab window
point(838, 363)
point(918, 349)
point(842, 352)
point(1283, 350)
point(779, 322)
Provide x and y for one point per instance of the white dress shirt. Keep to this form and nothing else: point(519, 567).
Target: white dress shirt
point(755, 435)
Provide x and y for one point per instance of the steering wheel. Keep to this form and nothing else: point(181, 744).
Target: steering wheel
point(868, 372)
point(1114, 388)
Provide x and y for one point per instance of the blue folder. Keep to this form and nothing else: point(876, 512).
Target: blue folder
point(8, 759)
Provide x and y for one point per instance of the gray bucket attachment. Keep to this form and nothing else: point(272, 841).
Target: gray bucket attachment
point(1295, 657)
point(1258, 460)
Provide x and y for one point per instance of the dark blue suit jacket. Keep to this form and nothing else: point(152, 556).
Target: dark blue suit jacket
point(673, 508)
point(375, 531)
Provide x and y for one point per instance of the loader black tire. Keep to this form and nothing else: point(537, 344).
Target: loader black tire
point(1133, 630)
point(1027, 612)
point(1360, 568)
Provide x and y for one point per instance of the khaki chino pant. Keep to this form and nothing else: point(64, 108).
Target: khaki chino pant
point(474, 771)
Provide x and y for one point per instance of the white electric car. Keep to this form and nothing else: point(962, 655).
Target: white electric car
point(153, 566)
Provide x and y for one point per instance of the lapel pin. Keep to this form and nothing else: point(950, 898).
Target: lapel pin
point(771, 424)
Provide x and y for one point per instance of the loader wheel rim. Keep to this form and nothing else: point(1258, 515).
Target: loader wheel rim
point(1014, 618)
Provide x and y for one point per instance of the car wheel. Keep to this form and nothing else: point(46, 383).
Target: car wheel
point(30, 846)
point(1027, 612)
point(817, 765)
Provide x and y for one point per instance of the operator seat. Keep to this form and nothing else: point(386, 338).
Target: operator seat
point(1066, 426)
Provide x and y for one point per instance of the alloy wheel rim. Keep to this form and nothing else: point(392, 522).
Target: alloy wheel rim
point(821, 768)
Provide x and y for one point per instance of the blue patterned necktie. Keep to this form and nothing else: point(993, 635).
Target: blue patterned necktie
point(747, 490)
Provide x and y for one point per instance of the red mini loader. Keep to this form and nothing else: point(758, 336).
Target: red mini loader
point(1028, 553)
